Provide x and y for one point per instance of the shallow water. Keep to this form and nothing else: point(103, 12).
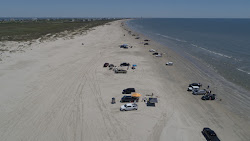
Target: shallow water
point(222, 43)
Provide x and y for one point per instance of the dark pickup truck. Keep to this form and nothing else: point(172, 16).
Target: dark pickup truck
point(129, 99)
point(124, 64)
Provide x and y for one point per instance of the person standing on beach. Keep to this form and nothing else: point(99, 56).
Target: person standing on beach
point(208, 87)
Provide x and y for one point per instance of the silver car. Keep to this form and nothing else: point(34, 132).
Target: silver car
point(129, 107)
point(199, 92)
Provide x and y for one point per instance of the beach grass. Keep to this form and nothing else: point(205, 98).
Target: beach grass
point(29, 30)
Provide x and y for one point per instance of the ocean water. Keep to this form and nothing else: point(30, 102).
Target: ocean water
point(224, 44)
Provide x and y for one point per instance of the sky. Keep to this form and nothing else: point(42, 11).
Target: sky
point(126, 8)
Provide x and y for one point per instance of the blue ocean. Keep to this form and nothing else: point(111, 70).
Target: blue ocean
point(224, 44)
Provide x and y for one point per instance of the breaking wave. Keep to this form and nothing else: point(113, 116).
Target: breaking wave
point(175, 39)
point(241, 70)
point(213, 52)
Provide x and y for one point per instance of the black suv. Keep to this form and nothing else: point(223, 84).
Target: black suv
point(128, 91)
point(129, 99)
point(209, 134)
point(195, 84)
point(124, 64)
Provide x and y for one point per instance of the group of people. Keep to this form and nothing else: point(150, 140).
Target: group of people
point(145, 98)
point(209, 92)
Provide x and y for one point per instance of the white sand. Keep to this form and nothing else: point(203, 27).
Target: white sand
point(59, 91)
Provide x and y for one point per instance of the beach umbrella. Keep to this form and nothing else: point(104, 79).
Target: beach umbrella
point(136, 95)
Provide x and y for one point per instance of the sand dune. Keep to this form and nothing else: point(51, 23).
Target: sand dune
point(60, 91)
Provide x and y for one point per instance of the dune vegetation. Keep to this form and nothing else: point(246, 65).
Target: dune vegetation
point(29, 30)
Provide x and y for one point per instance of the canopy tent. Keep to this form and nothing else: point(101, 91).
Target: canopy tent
point(134, 65)
point(153, 100)
point(136, 95)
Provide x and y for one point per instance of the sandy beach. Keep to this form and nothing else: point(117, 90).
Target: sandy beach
point(60, 91)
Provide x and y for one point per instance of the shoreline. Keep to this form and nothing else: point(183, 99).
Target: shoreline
point(231, 74)
point(205, 70)
point(63, 92)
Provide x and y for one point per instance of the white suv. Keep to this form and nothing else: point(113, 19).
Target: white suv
point(128, 107)
point(193, 88)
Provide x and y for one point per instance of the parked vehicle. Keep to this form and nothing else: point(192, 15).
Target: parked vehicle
point(208, 97)
point(193, 88)
point(151, 50)
point(146, 40)
point(137, 38)
point(128, 91)
point(124, 64)
point(158, 55)
point(199, 92)
point(169, 63)
point(129, 107)
point(155, 53)
point(209, 134)
point(129, 99)
point(120, 71)
point(195, 84)
point(106, 65)
point(124, 46)
point(146, 44)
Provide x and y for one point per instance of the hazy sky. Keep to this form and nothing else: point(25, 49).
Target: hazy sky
point(126, 8)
